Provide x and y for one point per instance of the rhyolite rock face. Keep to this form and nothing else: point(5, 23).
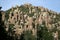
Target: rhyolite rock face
point(27, 17)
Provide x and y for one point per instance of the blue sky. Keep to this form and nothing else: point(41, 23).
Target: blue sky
point(50, 4)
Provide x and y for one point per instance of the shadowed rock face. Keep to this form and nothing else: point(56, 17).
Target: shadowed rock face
point(3, 33)
point(2, 30)
point(19, 19)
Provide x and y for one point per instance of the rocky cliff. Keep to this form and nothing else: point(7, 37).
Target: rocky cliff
point(26, 17)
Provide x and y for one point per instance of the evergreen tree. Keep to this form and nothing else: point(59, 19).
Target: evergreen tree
point(43, 34)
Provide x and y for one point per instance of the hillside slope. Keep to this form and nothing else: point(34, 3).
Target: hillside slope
point(27, 18)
